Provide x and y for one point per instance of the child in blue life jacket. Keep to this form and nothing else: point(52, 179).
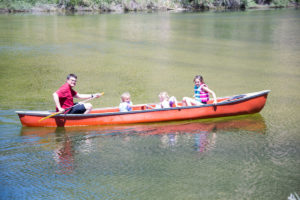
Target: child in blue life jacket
point(126, 104)
point(201, 94)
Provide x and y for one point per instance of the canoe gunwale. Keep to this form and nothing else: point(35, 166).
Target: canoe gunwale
point(246, 97)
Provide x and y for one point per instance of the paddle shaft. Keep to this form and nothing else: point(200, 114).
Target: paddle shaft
point(149, 106)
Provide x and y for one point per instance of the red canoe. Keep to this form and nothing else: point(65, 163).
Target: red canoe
point(227, 106)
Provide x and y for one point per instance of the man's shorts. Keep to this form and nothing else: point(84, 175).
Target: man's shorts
point(78, 109)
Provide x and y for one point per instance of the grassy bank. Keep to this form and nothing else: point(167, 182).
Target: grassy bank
point(136, 5)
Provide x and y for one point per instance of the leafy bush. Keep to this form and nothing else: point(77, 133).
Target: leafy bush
point(248, 3)
point(16, 5)
point(279, 3)
point(143, 4)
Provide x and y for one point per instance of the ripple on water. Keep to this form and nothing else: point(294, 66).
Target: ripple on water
point(135, 163)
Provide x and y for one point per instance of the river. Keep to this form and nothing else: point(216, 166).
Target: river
point(245, 157)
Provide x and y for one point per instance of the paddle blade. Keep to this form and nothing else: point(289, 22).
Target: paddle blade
point(49, 116)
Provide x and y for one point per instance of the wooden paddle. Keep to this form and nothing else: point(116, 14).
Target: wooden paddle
point(147, 105)
point(49, 116)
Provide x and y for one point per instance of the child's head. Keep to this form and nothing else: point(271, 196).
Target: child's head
point(198, 80)
point(125, 97)
point(163, 96)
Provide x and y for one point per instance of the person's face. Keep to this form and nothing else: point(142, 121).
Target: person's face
point(162, 98)
point(72, 81)
point(197, 82)
point(126, 99)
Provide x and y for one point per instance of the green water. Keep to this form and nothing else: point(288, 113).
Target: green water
point(249, 157)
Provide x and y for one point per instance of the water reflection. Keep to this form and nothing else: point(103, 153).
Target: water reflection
point(169, 140)
point(64, 155)
point(204, 142)
point(67, 143)
point(253, 123)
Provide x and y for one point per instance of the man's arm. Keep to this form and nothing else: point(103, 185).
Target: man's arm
point(87, 96)
point(57, 103)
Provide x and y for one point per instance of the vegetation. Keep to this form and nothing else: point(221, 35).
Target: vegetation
point(137, 5)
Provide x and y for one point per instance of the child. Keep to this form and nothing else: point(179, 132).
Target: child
point(201, 95)
point(173, 101)
point(165, 101)
point(126, 104)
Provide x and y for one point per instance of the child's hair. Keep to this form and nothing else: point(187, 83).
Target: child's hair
point(164, 95)
point(199, 77)
point(124, 95)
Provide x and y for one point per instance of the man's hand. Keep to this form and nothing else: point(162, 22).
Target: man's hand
point(97, 95)
point(61, 110)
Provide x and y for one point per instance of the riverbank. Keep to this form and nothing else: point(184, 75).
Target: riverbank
point(133, 5)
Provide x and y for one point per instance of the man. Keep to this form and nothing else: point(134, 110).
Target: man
point(63, 97)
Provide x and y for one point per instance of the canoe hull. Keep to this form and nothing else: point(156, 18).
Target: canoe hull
point(252, 104)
